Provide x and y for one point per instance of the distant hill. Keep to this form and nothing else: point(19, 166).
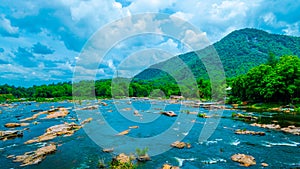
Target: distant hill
point(239, 51)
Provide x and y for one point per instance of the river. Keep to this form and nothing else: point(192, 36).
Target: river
point(82, 150)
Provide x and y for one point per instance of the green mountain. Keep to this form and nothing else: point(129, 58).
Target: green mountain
point(239, 51)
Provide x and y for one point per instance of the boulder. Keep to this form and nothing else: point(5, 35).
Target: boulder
point(264, 164)
point(178, 144)
point(35, 157)
point(267, 126)
point(10, 134)
point(121, 161)
point(244, 160)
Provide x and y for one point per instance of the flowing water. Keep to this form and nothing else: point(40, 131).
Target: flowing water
point(278, 149)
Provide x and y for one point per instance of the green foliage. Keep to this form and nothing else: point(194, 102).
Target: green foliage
point(141, 152)
point(202, 115)
point(265, 83)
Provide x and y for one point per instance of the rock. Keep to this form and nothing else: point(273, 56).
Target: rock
point(122, 158)
point(143, 158)
point(291, 129)
point(267, 126)
point(167, 166)
point(264, 164)
point(126, 109)
point(169, 113)
point(122, 161)
point(108, 150)
point(66, 129)
point(60, 112)
point(133, 127)
point(123, 132)
point(86, 121)
point(93, 107)
point(10, 134)
point(12, 125)
point(52, 113)
point(35, 157)
point(188, 145)
point(178, 144)
point(244, 160)
point(260, 133)
point(103, 104)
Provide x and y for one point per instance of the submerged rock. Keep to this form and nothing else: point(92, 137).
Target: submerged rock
point(35, 157)
point(10, 134)
point(93, 107)
point(264, 164)
point(260, 133)
point(178, 144)
point(244, 160)
point(12, 125)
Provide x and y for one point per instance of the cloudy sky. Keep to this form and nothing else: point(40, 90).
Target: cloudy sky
point(41, 41)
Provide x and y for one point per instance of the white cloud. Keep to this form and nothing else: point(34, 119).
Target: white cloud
point(184, 16)
point(7, 28)
point(292, 29)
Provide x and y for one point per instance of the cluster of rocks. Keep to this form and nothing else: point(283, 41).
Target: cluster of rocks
point(243, 159)
point(245, 117)
point(167, 166)
point(247, 132)
point(290, 129)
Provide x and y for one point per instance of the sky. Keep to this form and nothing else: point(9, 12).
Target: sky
point(42, 42)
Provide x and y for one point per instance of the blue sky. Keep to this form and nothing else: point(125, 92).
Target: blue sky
point(41, 41)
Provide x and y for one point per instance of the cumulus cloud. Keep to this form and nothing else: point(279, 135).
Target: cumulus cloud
point(51, 35)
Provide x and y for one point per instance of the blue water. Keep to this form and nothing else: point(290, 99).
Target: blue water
point(278, 149)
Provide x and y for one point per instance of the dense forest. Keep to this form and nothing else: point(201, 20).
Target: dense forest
point(275, 81)
point(107, 88)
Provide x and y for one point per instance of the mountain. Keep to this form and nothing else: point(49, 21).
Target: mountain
point(239, 51)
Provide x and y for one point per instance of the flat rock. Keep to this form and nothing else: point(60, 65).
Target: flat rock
point(12, 125)
point(66, 129)
point(244, 160)
point(35, 157)
point(10, 134)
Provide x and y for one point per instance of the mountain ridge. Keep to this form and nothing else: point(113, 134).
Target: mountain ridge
point(238, 51)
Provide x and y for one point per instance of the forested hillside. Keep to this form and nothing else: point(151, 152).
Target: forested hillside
point(239, 51)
